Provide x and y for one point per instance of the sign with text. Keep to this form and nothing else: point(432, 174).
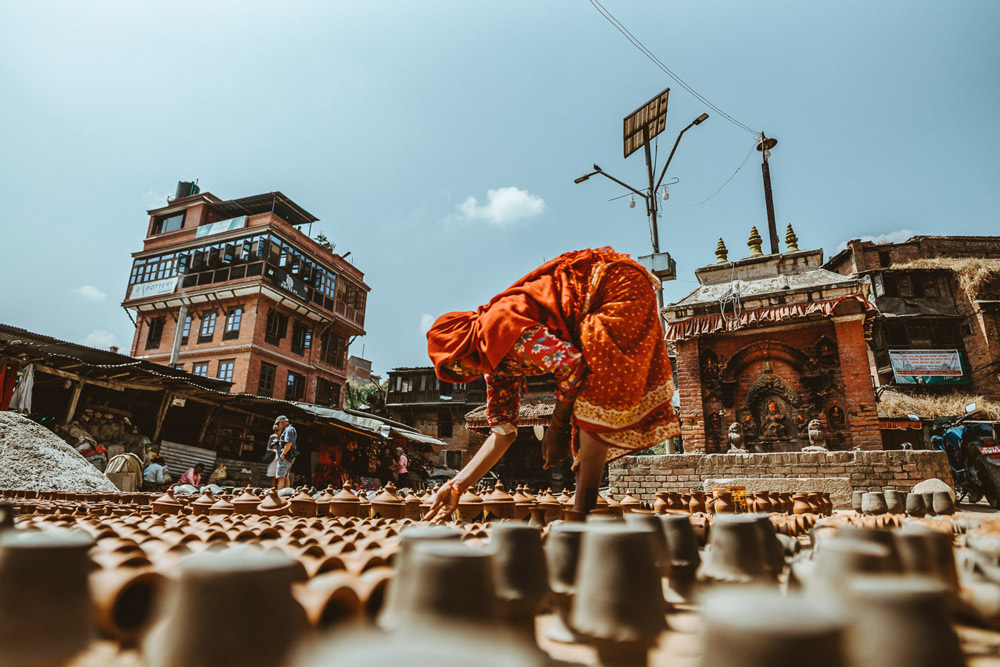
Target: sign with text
point(221, 226)
point(927, 367)
point(646, 122)
point(155, 288)
point(289, 283)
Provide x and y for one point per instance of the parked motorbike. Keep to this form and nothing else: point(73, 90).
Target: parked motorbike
point(973, 454)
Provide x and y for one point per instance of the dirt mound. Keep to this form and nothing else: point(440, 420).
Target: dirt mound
point(931, 485)
point(33, 457)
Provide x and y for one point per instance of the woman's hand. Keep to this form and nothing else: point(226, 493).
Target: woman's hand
point(445, 502)
point(556, 443)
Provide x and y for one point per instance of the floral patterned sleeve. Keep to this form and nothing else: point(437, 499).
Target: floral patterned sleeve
point(538, 347)
point(503, 398)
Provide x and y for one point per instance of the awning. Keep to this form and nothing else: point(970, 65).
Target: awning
point(372, 423)
point(901, 424)
point(529, 414)
point(708, 324)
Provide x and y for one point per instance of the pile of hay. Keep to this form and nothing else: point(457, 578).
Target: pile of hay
point(971, 273)
point(893, 403)
point(33, 457)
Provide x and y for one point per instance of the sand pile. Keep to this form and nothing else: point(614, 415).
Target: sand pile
point(33, 457)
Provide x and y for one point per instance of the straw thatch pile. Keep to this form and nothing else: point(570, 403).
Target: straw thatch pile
point(898, 404)
point(971, 273)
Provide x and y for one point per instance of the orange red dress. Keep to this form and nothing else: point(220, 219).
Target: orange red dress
point(604, 304)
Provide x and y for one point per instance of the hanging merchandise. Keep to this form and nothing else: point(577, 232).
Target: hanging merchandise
point(21, 399)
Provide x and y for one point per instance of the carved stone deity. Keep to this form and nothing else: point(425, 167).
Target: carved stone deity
point(736, 438)
point(774, 422)
point(817, 437)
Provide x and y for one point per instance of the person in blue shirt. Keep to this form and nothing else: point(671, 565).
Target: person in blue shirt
point(287, 451)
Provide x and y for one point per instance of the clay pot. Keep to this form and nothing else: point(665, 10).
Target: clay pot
point(910, 610)
point(344, 503)
point(762, 501)
point(880, 536)
point(470, 506)
point(857, 499)
point(246, 503)
point(274, 505)
point(562, 556)
point(388, 504)
point(754, 628)
point(522, 504)
point(221, 507)
point(203, 503)
point(653, 523)
point(519, 574)
point(168, 503)
point(614, 508)
point(630, 504)
point(124, 600)
point(929, 553)
point(498, 504)
point(928, 500)
point(661, 503)
point(943, 503)
point(409, 538)
point(697, 503)
point(915, 505)
point(735, 552)
point(774, 551)
point(47, 606)
point(619, 603)
point(801, 505)
point(302, 504)
point(723, 503)
point(445, 583)
point(190, 630)
point(323, 502)
point(836, 561)
point(873, 503)
point(894, 501)
point(412, 508)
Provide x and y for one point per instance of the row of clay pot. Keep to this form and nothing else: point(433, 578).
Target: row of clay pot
point(891, 501)
point(721, 502)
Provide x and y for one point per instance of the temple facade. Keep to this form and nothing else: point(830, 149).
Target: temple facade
point(772, 355)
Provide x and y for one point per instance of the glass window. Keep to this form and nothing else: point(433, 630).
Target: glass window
point(233, 319)
point(169, 223)
point(186, 331)
point(301, 338)
point(201, 368)
point(265, 382)
point(155, 333)
point(207, 328)
point(277, 326)
point(226, 370)
point(295, 388)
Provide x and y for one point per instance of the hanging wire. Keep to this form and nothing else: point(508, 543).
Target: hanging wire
point(728, 180)
point(609, 17)
point(732, 297)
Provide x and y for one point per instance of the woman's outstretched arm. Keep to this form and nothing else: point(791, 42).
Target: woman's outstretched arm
point(446, 500)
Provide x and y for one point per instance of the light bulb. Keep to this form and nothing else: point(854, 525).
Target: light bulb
point(666, 193)
point(631, 203)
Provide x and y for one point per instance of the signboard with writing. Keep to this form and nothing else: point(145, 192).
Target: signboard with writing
point(155, 288)
point(646, 122)
point(221, 226)
point(289, 283)
point(927, 367)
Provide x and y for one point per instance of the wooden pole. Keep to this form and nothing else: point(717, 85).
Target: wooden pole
point(74, 399)
point(161, 414)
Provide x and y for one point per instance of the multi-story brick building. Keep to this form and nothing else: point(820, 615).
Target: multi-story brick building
point(417, 398)
point(235, 290)
point(939, 304)
point(767, 344)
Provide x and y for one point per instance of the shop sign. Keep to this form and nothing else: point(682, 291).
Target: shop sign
point(155, 288)
point(221, 226)
point(927, 367)
point(289, 283)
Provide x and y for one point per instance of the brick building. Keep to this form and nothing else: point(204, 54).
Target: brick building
point(417, 398)
point(935, 294)
point(767, 344)
point(235, 290)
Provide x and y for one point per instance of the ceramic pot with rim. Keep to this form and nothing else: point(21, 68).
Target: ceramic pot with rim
point(915, 505)
point(661, 502)
point(46, 608)
point(723, 503)
point(801, 505)
point(520, 575)
point(410, 536)
point(894, 503)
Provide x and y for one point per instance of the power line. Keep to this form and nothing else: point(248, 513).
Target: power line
point(712, 196)
point(609, 17)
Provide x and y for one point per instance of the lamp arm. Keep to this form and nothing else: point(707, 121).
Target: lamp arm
point(671, 156)
point(623, 184)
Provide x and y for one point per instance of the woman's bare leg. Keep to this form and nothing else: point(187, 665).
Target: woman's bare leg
point(593, 454)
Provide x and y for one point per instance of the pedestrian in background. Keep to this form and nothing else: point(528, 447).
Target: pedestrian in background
point(153, 477)
point(272, 453)
point(192, 476)
point(399, 468)
point(287, 451)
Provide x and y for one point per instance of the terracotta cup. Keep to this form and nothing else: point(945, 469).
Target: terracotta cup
point(736, 552)
point(409, 538)
point(562, 557)
point(124, 600)
point(46, 613)
point(259, 624)
point(519, 574)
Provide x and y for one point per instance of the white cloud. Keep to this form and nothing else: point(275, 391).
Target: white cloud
point(426, 322)
point(100, 338)
point(89, 292)
point(504, 206)
point(897, 236)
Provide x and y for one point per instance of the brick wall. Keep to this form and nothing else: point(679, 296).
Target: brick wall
point(643, 476)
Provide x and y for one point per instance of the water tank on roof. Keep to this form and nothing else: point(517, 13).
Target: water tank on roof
point(186, 189)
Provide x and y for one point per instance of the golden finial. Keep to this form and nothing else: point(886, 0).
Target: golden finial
point(791, 240)
point(721, 252)
point(754, 242)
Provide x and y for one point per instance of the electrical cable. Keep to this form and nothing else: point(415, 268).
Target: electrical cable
point(609, 17)
point(731, 297)
point(728, 180)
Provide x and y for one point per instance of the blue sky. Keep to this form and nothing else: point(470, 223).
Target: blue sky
point(393, 122)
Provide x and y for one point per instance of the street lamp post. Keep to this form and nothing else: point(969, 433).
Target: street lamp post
point(650, 196)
